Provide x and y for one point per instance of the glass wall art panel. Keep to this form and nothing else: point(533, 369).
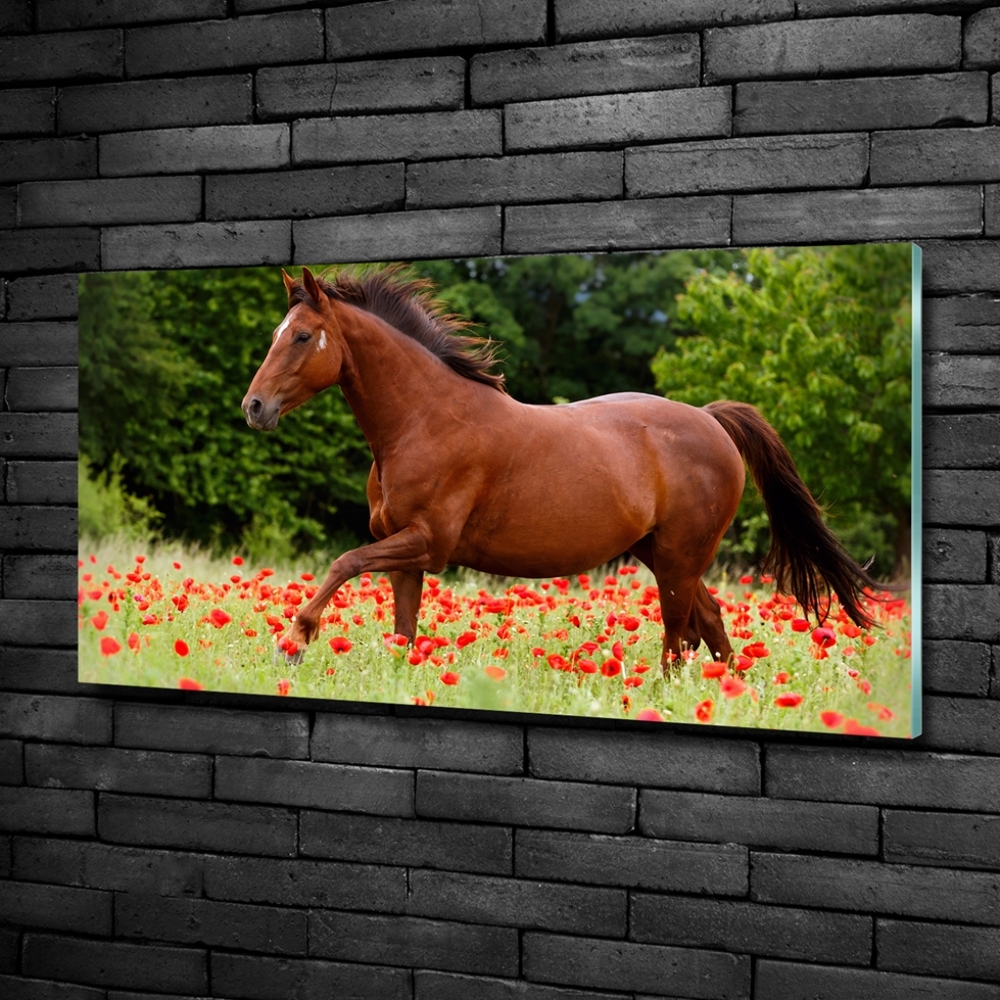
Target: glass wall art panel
point(677, 487)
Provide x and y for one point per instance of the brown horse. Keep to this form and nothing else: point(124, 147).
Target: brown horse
point(466, 475)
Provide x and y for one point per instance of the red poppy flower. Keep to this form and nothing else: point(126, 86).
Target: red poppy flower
point(650, 715)
point(290, 646)
point(557, 661)
point(415, 657)
point(99, 620)
point(633, 682)
point(731, 687)
point(618, 651)
point(237, 560)
point(496, 673)
point(630, 623)
point(824, 637)
point(788, 700)
point(341, 644)
point(611, 668)
point(467, 637)
point(587, 666)
point(832, 720)
point(284, 686)
point(449, 677)
point(781, 678)
point(110, 646)
point(800, 625)
point(713, 668)
point(181, 648)
point(854, 728)
point(704, 709)
point(186, 684)
point(218, 617)
point(743, 662)
point(133, 640)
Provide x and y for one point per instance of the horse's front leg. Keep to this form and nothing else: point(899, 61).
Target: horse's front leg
point(406, 551)
point(406, 589)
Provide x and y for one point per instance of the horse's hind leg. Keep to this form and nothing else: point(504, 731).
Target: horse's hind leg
point(406, 588)
point(706, 622)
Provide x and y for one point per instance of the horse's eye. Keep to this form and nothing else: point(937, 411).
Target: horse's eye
point(302, 338)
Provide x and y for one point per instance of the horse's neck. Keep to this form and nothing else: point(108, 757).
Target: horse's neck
point(386, 377)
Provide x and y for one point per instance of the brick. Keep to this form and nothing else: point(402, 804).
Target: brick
point(962, 611)
point(34, 529)
point(656, 759)
point(577, 961)
point(956, 667)
point(113, 770)
point(960, 441)
point(48, 296)
point(35, 389)
point(783, 932)
point(875, 887)
point(205, 921)
point(617, 119)
point(525, 801)
point(364, 29)
point(43, 482)
point(396, 137)
point(197, 244)
point(116, 963)
point(747, 165)
point(37, 623)
point(954, 555)
point(874, 214)
point(759, 822)
point(260, 978)
point(28, 250)
point(838, 46)
point(103, 866)
point(54, 15)
point(46, 810)
point(939, 950)
point(8, 207)
point(195, 150)
point(961, 381)
point(418, 843)
point(860, 104)
point(408, 941)
point(305, 883)
point(175, 49)
point(56, 908)
point(882, 777)
point(962, 324)
point(967, 724)
point(45, 343)
point(433, 233)
point(634, 862)
point(515, 179)
point(9, 944)
point(210, 826)
point(44, 989)
point(421, 84)
point(377, 791)
point(981, 39)
point(212, 730)
point(28, 111)
point(29, 577)
point(615, 225)
point(612, 67)
point(790, 981)
point(453, 986)
point(106, 202)
point(961, 497)
point(610, 19)
point(959, 840)
point(11, 762)
point(517, 903)
point(47, 159)
point(40, 670)
point(386, 741)
point(827, 8)
point(81, 55)
point(962, 266)
point(991, 210)
point(47, 717)
point(938, 156)
point(304, 193)
point(15, 16)
point(152, 104)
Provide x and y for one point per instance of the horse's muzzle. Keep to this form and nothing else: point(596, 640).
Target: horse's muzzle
point(260, 415)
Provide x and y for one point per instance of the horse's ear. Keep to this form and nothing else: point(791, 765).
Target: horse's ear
point(289, 282)
point(311, 286)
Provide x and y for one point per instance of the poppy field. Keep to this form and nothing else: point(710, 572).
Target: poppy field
point(586, 646)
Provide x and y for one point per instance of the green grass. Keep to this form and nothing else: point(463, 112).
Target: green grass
point(496, 671)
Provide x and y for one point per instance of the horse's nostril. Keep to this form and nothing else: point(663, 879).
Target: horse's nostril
point(254, 408)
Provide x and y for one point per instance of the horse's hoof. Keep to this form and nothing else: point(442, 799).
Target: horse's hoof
point(283, 658)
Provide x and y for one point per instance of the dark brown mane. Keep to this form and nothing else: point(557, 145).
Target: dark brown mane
point(407, 303)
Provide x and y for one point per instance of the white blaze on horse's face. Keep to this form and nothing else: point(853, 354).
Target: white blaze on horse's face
point(280, 330)
point(322, 341)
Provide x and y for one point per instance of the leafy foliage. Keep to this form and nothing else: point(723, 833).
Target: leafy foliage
point(819, 341)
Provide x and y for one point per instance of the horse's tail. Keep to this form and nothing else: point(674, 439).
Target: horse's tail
point(805, 556)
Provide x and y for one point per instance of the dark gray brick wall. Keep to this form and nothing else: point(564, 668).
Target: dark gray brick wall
point(153, 844)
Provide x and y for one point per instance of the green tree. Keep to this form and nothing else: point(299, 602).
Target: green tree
point(819, 341)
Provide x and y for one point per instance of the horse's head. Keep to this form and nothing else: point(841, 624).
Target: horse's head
point(304, 358)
